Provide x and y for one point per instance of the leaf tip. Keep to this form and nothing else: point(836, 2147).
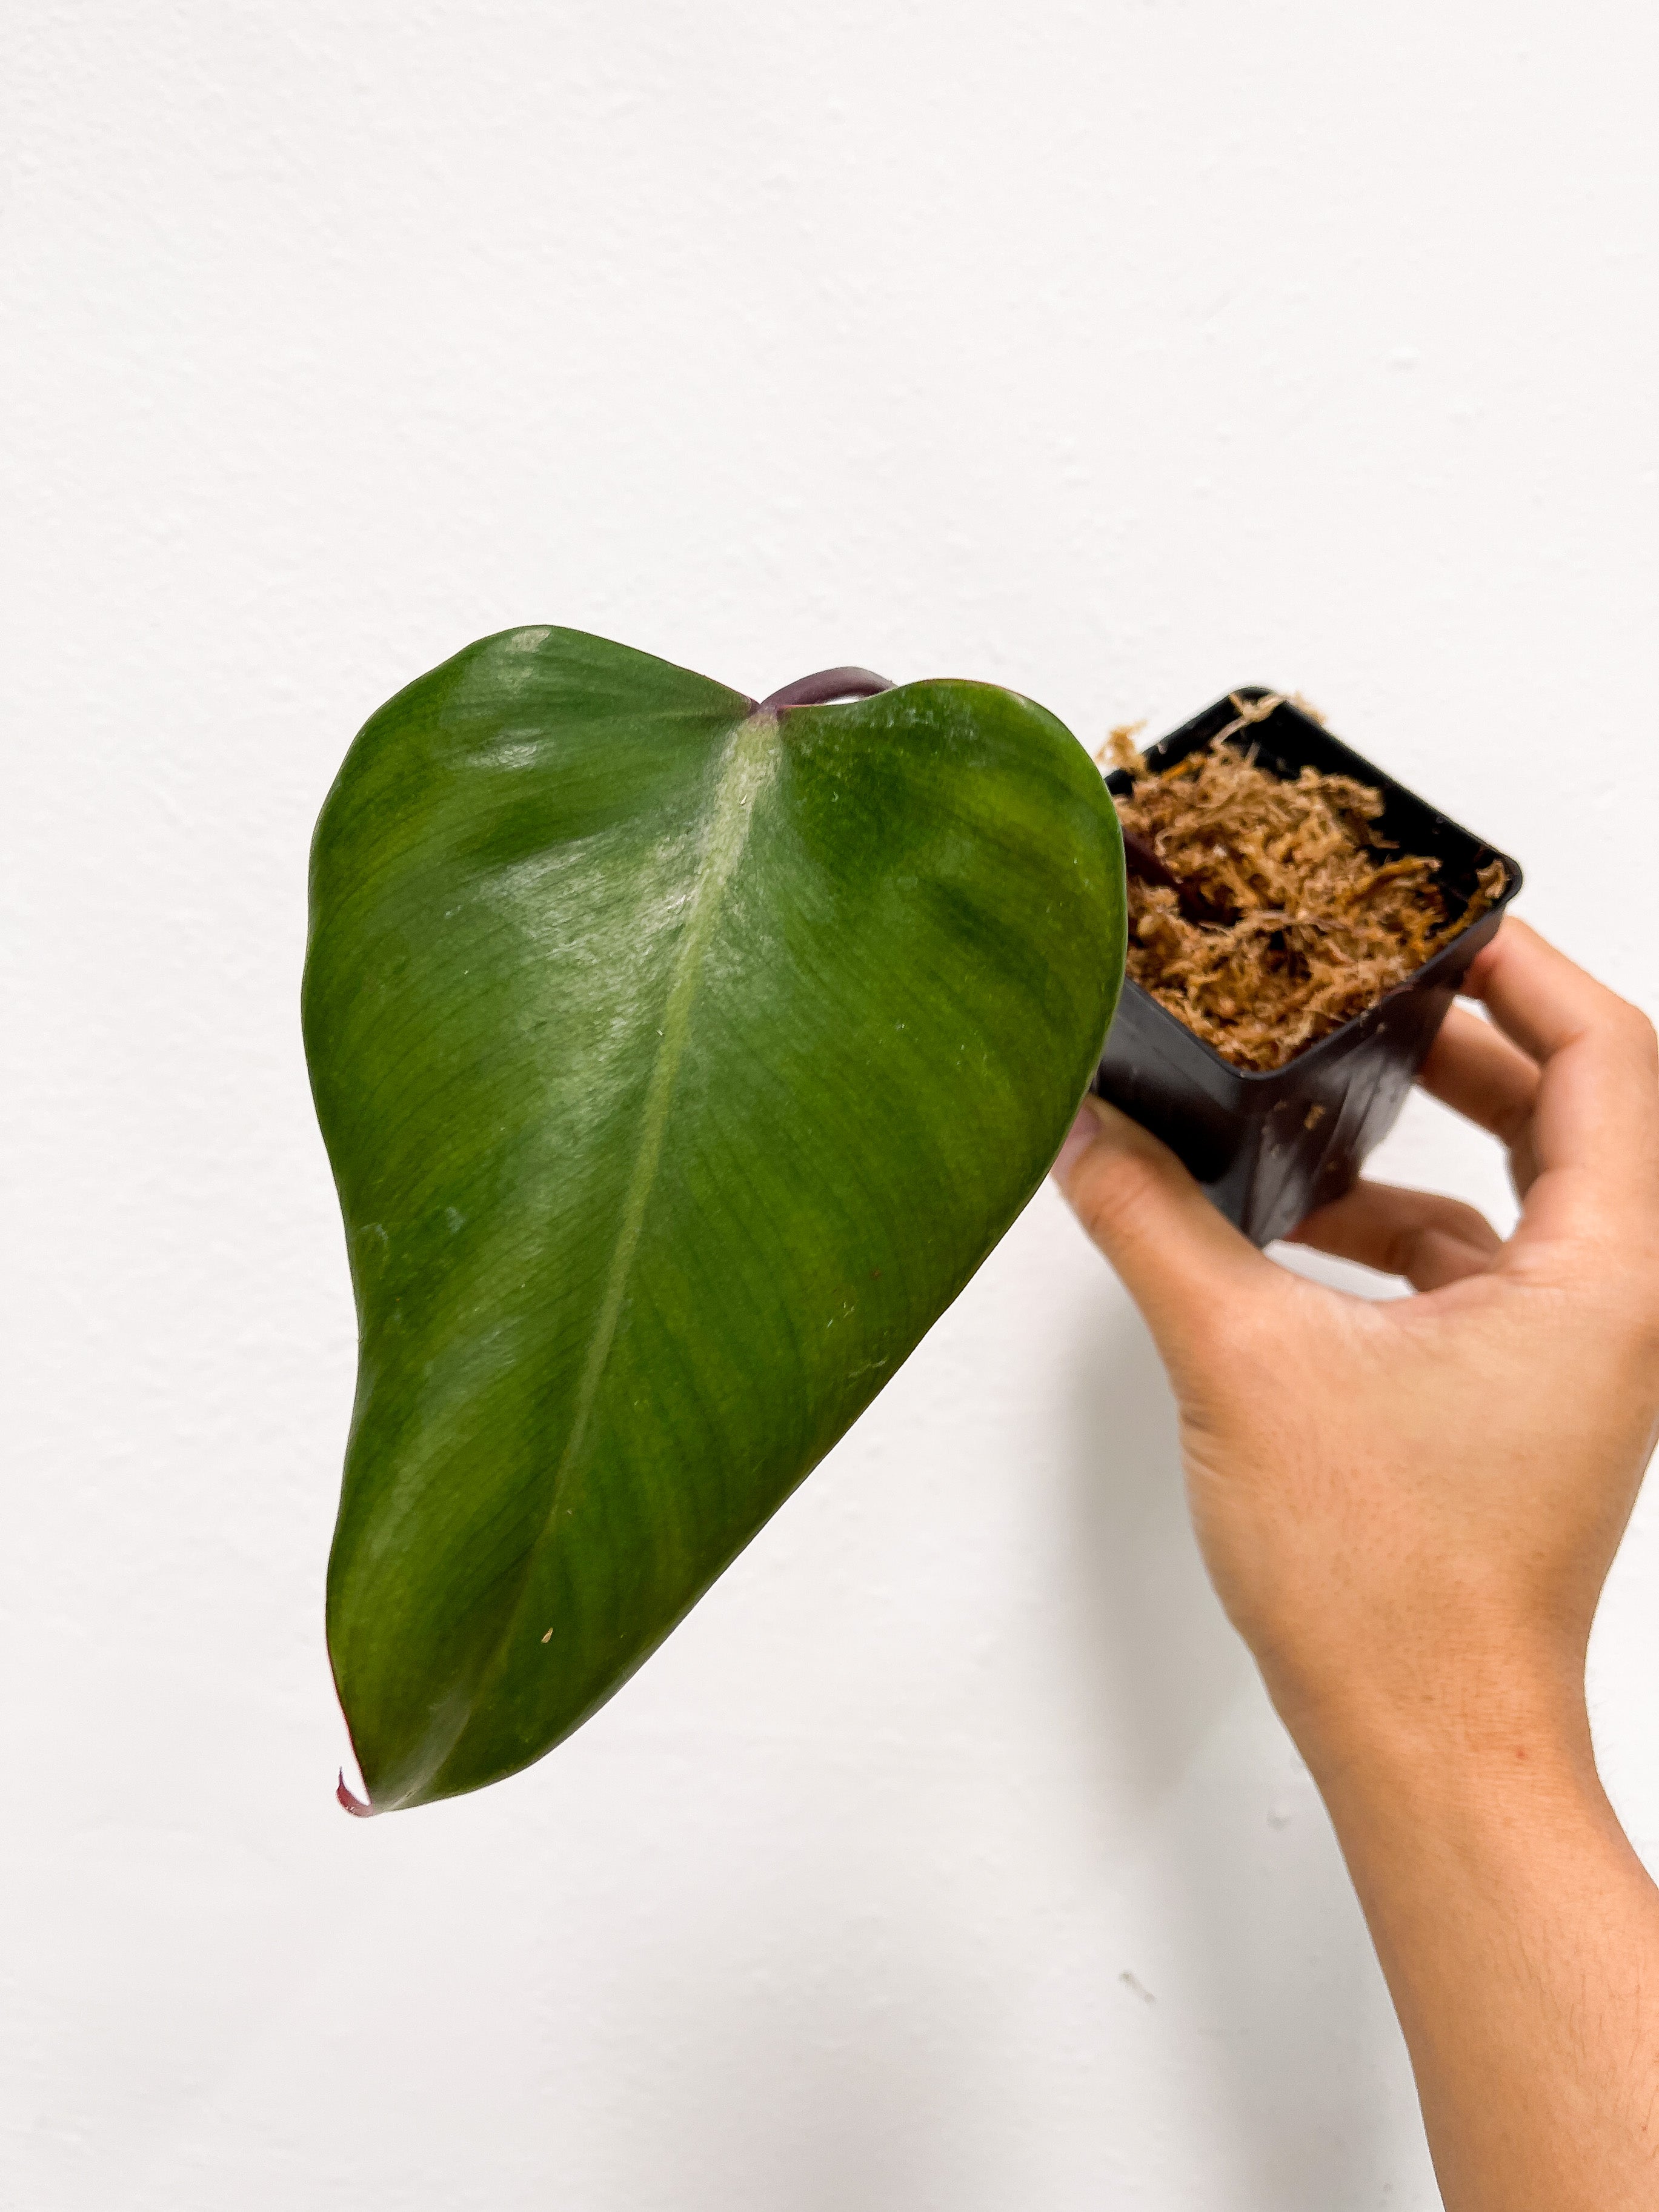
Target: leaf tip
point(359, 1808)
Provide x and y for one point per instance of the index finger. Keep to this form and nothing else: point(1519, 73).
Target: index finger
point(1596, 1119)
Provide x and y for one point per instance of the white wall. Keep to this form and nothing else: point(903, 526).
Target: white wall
point(949, 1857)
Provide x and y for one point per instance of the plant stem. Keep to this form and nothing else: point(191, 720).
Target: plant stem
point(829, 685)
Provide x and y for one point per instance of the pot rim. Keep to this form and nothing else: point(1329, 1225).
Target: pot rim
point(1442, 957)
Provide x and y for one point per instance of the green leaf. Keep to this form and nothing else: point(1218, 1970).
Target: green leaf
point(678, 1060)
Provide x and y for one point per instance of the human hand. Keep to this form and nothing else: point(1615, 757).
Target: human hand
point(1409, 1508)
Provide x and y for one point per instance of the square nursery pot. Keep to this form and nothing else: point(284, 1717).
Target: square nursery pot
point(1270, 1147)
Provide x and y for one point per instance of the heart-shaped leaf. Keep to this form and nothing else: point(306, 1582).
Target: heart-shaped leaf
point(678, 1060)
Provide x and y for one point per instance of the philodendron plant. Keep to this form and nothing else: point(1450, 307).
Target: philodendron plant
point(679, 1060)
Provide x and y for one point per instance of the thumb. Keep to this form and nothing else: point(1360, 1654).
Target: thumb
point(1182, 1262)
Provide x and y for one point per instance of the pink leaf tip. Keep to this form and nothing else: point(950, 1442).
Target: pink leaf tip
point(357, 1807)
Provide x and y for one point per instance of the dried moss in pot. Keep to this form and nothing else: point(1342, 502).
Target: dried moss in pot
point(1289, 911)
point(1285, 987)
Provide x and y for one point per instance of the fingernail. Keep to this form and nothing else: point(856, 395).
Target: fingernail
point(1081, 1135)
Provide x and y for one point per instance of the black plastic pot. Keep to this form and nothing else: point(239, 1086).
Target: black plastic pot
point(1271, 1147)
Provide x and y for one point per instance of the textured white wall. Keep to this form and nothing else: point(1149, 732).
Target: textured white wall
point(949, 1856)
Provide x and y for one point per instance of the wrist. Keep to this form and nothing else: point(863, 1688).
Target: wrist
point(1500, 1798)
point(1488, 1727)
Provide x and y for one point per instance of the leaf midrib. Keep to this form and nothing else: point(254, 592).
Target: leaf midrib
point(746, 769)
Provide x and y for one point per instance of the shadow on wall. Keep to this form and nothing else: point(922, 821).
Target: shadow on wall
point(1285, 2008)
point(1159, 1664)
